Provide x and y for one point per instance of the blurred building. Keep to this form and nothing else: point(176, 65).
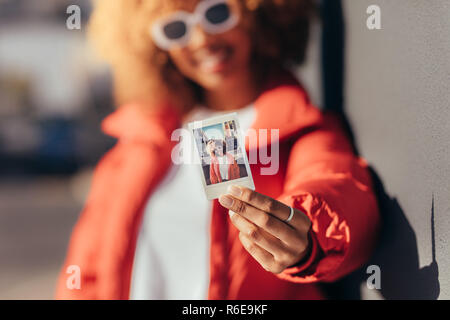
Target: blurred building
point(53, 96)
point(52, 92)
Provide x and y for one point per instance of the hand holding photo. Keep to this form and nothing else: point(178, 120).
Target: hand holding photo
point(221, 152)
point(275, 234)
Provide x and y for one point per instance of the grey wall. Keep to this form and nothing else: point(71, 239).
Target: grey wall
point(397, 96)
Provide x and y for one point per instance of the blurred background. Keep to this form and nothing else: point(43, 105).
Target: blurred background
point(53, 96)
point(392, 85)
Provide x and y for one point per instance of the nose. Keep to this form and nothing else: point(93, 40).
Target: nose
point(199, 38)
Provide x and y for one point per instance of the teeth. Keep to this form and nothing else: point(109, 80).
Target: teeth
point(210, 61)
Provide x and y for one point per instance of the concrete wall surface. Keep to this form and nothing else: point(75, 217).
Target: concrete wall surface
point(396, 98)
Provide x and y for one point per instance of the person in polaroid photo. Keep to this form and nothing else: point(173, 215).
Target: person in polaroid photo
point(147, 230)
point(223, 166)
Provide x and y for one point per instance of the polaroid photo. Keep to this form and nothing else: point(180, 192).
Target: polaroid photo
point(220, 151)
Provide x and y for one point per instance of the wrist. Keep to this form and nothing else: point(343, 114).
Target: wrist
point(307, 253)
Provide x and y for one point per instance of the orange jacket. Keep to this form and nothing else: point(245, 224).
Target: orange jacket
point(214, 171)
point(318, 174)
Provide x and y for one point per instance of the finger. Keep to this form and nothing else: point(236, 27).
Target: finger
point(260, 201)
point(264, 258)
point(276, 208)
point(262, 219)
point(262, 238)
point(299, 221)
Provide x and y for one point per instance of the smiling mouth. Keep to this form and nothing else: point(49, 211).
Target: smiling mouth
point(214, 61)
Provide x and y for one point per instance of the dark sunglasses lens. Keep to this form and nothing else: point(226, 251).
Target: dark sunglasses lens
point(218, 14)
point(175, 30)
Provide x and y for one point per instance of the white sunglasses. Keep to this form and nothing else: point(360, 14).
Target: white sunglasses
point(215, 16)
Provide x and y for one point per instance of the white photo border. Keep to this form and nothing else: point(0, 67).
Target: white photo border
point(213, 191)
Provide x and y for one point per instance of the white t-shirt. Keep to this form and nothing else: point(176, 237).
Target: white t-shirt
point(172, 252)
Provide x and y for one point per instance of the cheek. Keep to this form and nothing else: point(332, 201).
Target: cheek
point(240, 40)
point(182, 61)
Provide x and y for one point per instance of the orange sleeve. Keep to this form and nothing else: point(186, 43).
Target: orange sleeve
point(332, 186)
point(102, 243)
point(87, 236)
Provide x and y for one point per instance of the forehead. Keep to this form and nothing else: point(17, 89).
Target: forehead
point(165, 6)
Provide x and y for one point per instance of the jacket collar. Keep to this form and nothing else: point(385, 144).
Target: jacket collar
point(283, 105)
point(131, 122)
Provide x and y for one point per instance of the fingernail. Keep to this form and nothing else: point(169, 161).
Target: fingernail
point(234, 190)
point(231, 213)
point(226, 201)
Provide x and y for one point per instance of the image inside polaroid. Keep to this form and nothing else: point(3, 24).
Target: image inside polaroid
point(221, 153)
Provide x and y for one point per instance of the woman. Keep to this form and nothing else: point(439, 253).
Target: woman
point(314, 219)
point(223, 166)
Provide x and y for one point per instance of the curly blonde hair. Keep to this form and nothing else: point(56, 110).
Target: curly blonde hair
point(119, 29)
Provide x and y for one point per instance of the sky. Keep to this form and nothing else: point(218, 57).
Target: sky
point(214, 131)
